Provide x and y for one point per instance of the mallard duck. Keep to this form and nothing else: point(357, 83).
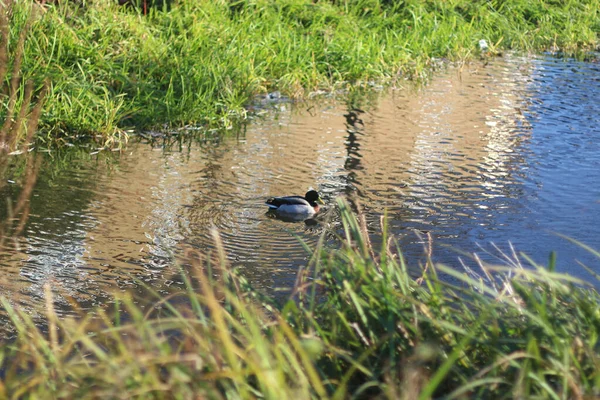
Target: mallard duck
point(296, 205)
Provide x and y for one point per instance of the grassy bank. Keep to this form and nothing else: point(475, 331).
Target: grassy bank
point(112, 69)
point(358, 326)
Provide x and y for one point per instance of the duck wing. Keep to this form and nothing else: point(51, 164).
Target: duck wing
point(276, 202)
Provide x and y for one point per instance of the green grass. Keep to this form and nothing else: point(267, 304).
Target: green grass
point(358, 326)
point(112, 69)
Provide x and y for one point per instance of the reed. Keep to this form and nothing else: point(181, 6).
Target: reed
point(24, 102)
point(113, 69)
point(359, 325)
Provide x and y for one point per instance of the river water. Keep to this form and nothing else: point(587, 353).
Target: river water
point(504, 153)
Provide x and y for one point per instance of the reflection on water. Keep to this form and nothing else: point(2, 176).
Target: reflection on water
point(505, 152)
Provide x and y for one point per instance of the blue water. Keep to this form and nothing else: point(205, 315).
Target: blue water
point(558, 185)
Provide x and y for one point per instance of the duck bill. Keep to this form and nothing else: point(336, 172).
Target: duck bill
point(320, 201)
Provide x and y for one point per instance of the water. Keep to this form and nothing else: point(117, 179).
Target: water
point(504, 153)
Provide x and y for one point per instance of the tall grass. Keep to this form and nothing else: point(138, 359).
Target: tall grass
point(23, 103)
point(358, 326)
point(112, 68)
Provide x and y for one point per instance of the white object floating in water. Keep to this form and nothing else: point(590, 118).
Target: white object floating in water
point(483, 45)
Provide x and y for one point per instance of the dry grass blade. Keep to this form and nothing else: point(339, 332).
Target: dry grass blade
point(27, 117)
point(5, 7)
point(15, 81)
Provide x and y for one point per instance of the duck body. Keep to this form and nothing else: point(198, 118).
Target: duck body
point(296, 205)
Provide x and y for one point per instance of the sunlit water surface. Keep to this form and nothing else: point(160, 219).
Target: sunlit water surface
point(504, 153)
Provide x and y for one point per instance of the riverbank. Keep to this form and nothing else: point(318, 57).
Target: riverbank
point(113, 70)
point(359, 325)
